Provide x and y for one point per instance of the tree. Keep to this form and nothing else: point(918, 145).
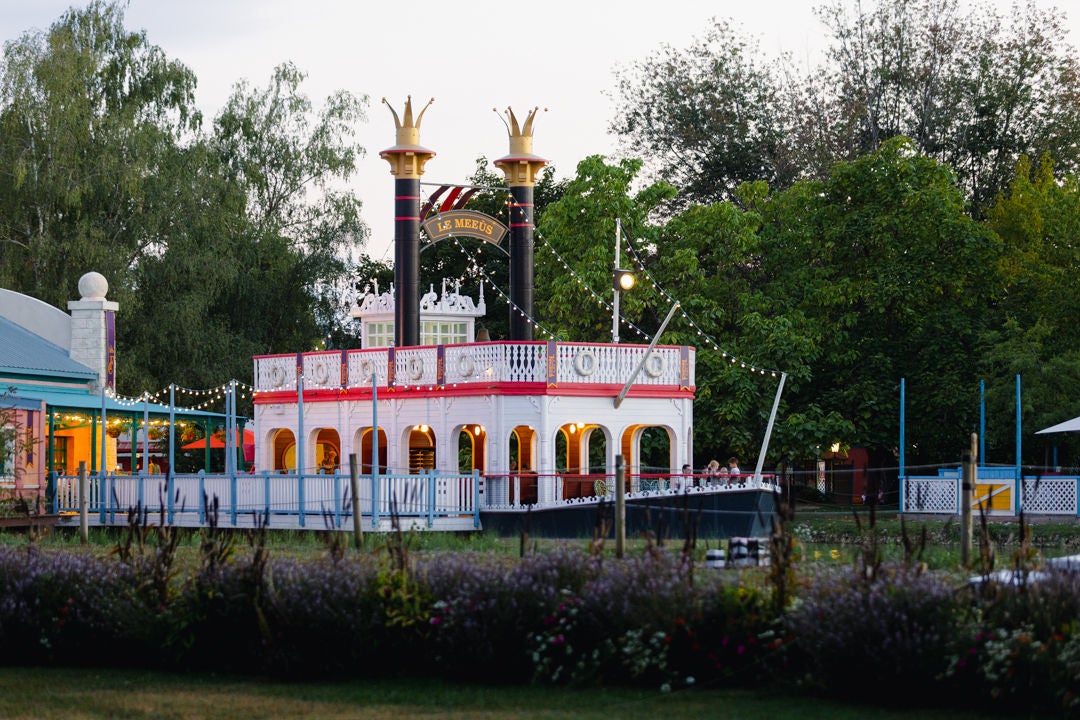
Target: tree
point(89, 111)
point(580, 230)
point(1032, 331)
point(972, 90)
point(884, 277)
point(261, 258)
point(706, 119)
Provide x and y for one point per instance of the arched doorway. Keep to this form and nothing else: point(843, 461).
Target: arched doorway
point(421, 449)
point(284, 450)
point(328, 451)
point(522, 455)
point(652, 455)
point(366, 451)
point(472, 443)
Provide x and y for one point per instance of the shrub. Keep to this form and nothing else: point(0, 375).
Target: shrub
point(861, 639)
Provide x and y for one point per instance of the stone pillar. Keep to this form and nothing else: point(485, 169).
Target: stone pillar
point(93, 337)
point(407, 159)
point(521, 168)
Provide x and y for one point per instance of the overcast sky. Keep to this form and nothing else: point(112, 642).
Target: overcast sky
point(470, 56)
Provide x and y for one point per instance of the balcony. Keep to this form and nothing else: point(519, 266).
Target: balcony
point(578, 368)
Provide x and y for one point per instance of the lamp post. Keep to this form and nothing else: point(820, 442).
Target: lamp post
point(621, 280)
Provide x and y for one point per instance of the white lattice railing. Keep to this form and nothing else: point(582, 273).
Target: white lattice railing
point(1051, 495)
point(1044, 495)
point(481, 363)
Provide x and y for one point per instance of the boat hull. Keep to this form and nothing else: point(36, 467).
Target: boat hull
point(746, 513)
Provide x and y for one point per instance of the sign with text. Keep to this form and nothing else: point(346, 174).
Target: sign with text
point(467, 223)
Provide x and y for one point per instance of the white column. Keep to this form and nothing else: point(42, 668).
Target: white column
point(89, 344)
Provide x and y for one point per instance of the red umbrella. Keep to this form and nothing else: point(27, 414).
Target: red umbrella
point(217, 440)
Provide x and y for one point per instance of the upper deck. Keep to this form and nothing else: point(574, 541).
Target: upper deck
point(518, 368)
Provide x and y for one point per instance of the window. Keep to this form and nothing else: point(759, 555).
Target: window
point(444, 333)
point(379, 334)
point(7, 453)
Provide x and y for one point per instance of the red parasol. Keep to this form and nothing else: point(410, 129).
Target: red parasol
point(217, 440)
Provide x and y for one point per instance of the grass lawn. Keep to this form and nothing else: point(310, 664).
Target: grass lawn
point(84, 694)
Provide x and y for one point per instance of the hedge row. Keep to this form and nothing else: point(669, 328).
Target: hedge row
point(896, 635)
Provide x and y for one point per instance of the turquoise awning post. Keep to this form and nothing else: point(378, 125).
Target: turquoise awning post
point(146, 436)
point(170, 479)
point(1019, 466)
point(206, 450)
point(104, 435)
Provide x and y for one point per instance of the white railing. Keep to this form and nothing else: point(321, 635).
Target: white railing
point(480, 363)
point(302, 500)
point(503, 492)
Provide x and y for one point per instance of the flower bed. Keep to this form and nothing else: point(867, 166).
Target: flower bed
point(661, 619)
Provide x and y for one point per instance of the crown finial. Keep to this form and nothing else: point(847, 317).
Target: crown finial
point(408, 156)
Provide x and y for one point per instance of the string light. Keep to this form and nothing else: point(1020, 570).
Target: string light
point(477, 267)
point(701, 333)
point(599, 299)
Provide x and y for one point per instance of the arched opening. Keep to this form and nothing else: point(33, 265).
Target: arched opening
point(328, 451)
point(522, 454)
point(366, 451)
point(421, 449)
point(651, 449)
point(472, 440)
point(284, 449)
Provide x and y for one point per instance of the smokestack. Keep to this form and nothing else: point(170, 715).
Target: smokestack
point(521, 168)
point(407, 159)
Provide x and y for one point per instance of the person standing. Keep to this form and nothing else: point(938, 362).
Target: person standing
point(734, 472)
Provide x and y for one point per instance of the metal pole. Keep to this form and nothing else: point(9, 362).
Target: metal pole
point(104, 435)
point(615, 287)
point(620, 506)
point(645, 357)
point(146, 436)
point(902, 441)
point(1017, 500)
point(374, 451)
point(354, 480)
point(768, 429)
point(84, 483)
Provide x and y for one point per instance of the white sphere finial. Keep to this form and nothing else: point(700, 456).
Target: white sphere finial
point(93, 286)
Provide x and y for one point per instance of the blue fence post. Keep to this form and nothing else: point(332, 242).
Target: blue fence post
point(202, 497)
point(112, 494)
point(266, 496)
point(302, 500)
point(170, 491)
point(337, 499)
point(232, 498)
point(431, 479)
point(476, 498)
point(54, 483)
point(142, 493)
point(374, 498)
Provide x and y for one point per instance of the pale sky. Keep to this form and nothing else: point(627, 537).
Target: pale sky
point(470, 56)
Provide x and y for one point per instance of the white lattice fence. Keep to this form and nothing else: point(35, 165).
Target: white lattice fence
point(1050, 496)
point(932, 495)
